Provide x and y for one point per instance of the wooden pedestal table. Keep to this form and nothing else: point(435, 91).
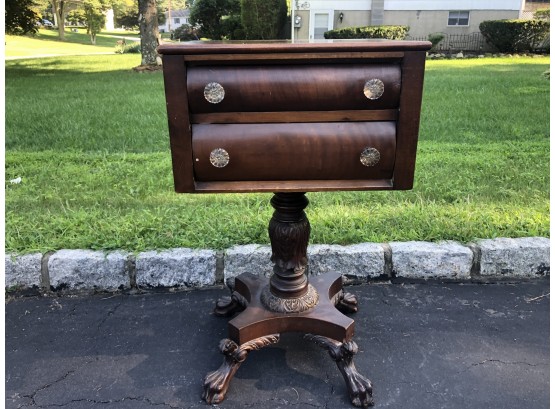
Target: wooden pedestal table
point(287, 302)
point(292, 118)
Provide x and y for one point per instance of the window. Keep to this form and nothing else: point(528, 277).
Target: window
point(176, 21)
point(458, 18)
point(320, 25)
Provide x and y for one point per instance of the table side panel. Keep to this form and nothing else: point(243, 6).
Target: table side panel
point(409, 119)
point(175, 85)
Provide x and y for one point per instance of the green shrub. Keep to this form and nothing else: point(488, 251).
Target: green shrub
point(184, 33)
point(435, 39)
point(231, 25)
point(210, 16)
point(542, 14)
point(263, 19)
point(509, 36)
point(389, 32)
point(133, 48)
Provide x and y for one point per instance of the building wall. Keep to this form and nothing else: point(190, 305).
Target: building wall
point(177, 20)
point(453, 5)
point(426, 22)
point(352, 18)
point(423, 16)
point(536, 6)
point(301, 33)
point(109, 25)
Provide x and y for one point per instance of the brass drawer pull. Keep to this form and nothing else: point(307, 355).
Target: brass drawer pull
point(214, 92)
point(370, 156)
point(219, 158)
point(373, 89)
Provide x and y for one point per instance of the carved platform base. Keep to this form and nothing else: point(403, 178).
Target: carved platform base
point(257, 326)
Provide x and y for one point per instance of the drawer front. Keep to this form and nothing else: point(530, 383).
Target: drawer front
point(293, 88)
point(296, 151)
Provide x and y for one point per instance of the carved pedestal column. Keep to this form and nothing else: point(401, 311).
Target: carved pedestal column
point(289, 231)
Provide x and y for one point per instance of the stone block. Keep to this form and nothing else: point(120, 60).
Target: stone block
point(251, 258)
point(176, 267)
point(89, 270)
point(359, 260)
point(417, 259)
point(23, 272)
point(521, 257)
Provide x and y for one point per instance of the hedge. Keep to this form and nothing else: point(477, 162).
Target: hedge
point(389, 32)
point(263, 19)
point(510, 36)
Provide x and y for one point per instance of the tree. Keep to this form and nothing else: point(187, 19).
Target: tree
point(20, 17)
point(211, 16)
point(263, 19)
point(76, 17)
point(126, 13)
point(148, 26)
point(60, 8)
point(94, 17)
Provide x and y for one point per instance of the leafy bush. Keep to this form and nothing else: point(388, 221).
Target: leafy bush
point(210, 16)
point(542, 14)
point(231, 26)
point(389, 32)
point(184, 33)
point(509, 36)
point(20, 17)
point(133, 48)
point(435, 39)
point(263, 19)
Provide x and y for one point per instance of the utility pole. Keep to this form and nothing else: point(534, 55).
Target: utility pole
point(170, 16)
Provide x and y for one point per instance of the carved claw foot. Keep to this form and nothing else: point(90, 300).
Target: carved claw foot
point(229, 305)
point(359, 387)
point(347, 303)
point(217, 382)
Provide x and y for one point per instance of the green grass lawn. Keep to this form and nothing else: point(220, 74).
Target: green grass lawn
point(46, 42)
point(89, 139)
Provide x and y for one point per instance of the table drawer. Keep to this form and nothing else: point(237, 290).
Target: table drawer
point(296, 151)
point(293, 88)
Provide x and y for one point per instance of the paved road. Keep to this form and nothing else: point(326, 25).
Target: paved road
point(423, 345)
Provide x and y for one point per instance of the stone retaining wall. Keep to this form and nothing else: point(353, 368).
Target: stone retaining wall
point(87, 270)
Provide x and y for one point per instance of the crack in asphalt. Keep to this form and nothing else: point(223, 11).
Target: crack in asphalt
point(107, 402)
point(109, 314)
point(44, 387)
point(501, 362)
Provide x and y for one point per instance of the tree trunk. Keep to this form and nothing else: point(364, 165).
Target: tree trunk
point(148, 24)
point(58, 7)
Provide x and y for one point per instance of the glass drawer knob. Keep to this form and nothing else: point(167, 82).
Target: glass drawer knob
point(214, 92)
point(219, 158)
point(370, 156)
point(373, 89)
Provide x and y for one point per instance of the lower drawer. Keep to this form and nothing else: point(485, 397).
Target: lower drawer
point(294, 151)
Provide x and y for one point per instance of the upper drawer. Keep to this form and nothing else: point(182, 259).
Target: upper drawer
point(296, 151)
point(293, 88)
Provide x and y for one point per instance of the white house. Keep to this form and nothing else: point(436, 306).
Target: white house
point(311, 18)
point(174, 19)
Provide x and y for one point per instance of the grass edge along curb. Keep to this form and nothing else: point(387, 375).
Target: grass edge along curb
point(101, 178)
